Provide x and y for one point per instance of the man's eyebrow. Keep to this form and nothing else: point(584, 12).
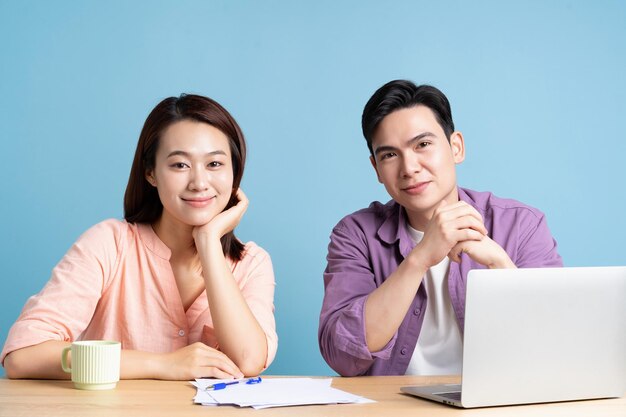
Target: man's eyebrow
point(387, 148)
point(419, 137)
point(187, 154)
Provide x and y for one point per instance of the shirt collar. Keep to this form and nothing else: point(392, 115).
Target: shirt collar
point(463, 196)
point(152, 241)
point(394, 228)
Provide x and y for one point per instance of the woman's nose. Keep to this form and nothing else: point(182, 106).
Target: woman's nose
point(199, 180)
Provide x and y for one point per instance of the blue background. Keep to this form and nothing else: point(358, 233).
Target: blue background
point(537, 87)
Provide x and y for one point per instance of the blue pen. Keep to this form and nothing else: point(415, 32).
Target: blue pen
point(222, 385)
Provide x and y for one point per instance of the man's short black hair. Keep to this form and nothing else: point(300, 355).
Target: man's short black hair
point(402, 94)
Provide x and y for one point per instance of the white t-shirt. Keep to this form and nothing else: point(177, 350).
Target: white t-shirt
point(439, 349)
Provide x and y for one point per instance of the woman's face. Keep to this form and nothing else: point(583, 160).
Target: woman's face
point(193, 172)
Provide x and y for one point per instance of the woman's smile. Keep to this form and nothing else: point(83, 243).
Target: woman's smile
point(198, 202)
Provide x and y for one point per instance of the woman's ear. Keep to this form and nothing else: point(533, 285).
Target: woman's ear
point(150, 178)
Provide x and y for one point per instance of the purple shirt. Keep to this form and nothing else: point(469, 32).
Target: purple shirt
point(368, 245)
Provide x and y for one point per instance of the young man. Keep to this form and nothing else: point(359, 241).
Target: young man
point(396, 274)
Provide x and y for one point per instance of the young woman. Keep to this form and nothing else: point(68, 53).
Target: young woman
point(171, 281)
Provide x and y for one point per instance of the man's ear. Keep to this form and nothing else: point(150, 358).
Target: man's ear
point(150, 178)
point(373, 162)
point(457, 144)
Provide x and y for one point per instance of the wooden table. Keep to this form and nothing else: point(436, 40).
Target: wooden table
point(175, 398)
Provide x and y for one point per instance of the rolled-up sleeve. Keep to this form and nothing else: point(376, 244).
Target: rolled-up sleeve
point(537, 247)
point(65, 306)
point(348, 281)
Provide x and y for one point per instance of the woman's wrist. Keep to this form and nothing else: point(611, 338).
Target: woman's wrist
point(141, 365)
point(206, 239)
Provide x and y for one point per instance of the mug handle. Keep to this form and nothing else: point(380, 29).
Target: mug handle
point(64, 365)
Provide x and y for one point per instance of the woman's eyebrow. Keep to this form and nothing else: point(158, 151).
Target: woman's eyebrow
point(187, 154)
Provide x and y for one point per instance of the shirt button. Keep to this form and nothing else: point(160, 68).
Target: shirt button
point(403, 351)
point(417, 311)
point(181, 333)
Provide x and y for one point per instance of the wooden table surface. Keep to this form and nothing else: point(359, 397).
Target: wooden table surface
point(175, 398)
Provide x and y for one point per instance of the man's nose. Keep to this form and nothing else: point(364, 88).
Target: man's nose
point(411, 165)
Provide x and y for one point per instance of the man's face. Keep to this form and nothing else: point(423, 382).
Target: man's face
point(415, 161)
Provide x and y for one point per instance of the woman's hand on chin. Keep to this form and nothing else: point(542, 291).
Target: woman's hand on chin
point(224, 222)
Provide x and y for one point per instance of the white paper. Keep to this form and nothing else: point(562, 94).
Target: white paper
point(275, 392)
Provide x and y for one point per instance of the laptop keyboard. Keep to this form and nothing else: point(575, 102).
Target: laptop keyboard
point(455, 395)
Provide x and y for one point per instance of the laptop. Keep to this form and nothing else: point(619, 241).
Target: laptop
point(540, 335)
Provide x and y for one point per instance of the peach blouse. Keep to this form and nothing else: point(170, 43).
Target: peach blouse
point(116, 283)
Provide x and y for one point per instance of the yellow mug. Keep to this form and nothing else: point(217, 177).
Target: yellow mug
point(95, 364)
